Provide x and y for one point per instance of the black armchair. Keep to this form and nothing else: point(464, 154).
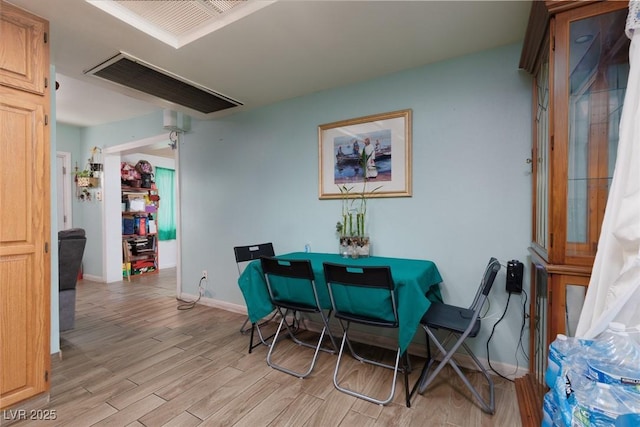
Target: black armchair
point(71, 245)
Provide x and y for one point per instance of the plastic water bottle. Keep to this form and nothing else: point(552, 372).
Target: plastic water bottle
point(558, 351)
point(571, 389)
point(600, 408)
point(565, 352)
point(629, 398)
point(634, 332)
point(549, 410)
point(614, 358)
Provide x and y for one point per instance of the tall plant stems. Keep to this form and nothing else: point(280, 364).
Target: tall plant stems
point(349, 207)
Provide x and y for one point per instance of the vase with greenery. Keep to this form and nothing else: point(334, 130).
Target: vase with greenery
point(82, 177)
point(354, 241)
point(85, 179)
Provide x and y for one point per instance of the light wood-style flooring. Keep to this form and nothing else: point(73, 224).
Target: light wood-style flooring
point(133, 359)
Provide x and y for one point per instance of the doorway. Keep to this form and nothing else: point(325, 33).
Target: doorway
point(159, 146)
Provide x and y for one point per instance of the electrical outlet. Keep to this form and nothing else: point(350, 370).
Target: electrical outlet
point(204, 274)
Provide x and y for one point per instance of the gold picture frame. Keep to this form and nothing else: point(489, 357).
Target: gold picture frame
point(385, 140)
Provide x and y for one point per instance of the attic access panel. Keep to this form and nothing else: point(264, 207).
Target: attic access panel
point(128, 71)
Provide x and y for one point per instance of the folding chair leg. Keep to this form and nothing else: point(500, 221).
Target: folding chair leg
point(325, 322)
point(487, 407)
point(256, 327)
point(424, 380)
point(364, 396)
point(253, 327)
point(275, 342)
point(407, 369)
point(244, 328)
point(427, 365)
point(364, 359)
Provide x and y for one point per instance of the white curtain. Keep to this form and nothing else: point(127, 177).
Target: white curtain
point(614, 289)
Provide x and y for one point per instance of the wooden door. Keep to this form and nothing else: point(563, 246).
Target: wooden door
point(25, 265)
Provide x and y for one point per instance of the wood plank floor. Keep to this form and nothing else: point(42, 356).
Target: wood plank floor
point(133, 359)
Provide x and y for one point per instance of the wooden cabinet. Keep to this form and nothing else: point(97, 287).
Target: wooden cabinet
point(25, 260)
point(139, 231)
point(24, 59)
point(578, 55)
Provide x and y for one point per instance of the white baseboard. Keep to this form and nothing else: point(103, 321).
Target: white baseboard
point(212, 302)
point(463, 360)
point(92, 278)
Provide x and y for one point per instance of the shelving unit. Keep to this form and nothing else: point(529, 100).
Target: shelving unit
point(139, 231)
point(577, 53)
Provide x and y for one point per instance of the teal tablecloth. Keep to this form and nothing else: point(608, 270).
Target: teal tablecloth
point(417, 284)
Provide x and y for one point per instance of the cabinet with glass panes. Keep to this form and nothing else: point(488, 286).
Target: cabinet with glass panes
point(578, 55)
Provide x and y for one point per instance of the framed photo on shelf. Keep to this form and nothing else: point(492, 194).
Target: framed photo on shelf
point(366, 153)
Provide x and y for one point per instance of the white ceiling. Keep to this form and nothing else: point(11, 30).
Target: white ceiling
point(284, 50)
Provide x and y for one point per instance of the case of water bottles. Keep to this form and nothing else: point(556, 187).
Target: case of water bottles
point(593, 382)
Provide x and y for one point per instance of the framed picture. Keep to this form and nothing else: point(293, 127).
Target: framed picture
point(370, 154)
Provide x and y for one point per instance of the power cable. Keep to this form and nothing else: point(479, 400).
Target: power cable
point(524, 322)
point(188, 305)
point(491, 335)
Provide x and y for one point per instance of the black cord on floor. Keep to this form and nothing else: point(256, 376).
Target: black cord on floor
point(490, 336)
point(188, 305)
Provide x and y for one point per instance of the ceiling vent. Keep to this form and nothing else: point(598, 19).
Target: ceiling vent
point(128, 71)
point(178, 23)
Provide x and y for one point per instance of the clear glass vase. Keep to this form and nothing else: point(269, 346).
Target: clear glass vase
point(355, 246)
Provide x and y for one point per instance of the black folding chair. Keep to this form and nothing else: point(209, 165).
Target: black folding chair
point(292, 287)
point(348, 287)
point(460, 323)
point(245, 254)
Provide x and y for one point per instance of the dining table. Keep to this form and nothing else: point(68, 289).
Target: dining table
point(416, 285)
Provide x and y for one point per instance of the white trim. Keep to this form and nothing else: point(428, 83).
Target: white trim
point(115, 150)
point(215, 303)
point(67, 190)
point(178, 215)
point(93, 278)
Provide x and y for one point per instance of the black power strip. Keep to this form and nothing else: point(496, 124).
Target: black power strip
point(515, 270)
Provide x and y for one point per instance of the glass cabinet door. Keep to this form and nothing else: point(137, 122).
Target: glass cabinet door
point(540, 154)
point(595, 79)
point(539, 328)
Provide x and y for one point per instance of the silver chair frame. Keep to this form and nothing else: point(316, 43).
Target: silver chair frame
point(255, 252)
point(447, 355)
point(244, 329)
point(345, 324)
point(292, 306)
point(361, 359)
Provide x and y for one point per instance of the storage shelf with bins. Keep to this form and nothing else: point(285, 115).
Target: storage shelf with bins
point(139, 231)
point(578, 55)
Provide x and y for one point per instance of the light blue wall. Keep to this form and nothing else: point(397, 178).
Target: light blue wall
point(253, 177)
